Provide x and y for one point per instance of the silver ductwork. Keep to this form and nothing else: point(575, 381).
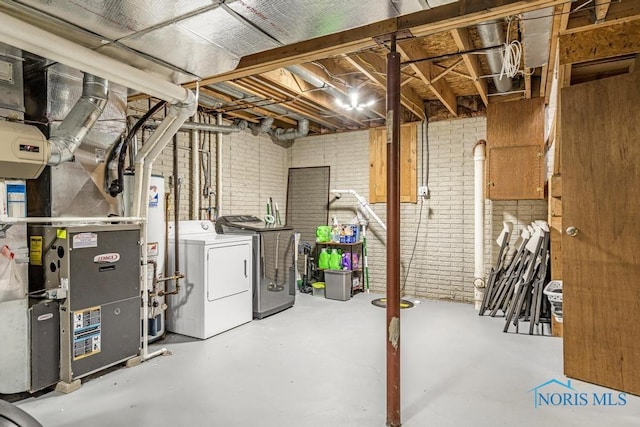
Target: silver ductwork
point(310, 78)
point(491, 33)
point(263, 127)
point(537, 33)
point(206, 127)
point(290, 135)
point(51, 93)
point(66, 138)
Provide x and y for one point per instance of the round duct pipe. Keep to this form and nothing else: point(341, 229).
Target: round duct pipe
point(492, 34)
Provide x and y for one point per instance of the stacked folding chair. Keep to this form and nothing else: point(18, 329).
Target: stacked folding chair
point(516, 282)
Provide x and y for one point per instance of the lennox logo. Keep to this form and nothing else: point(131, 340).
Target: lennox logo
point(557, 393)
point(106, 258)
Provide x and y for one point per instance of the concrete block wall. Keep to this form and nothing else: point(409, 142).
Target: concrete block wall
point(440, 228)
point(253, 169)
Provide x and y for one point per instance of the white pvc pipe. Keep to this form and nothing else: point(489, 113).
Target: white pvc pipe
point(48, 45)
point(144, 164)
point(195, 170)
point(478, 270)
point(364, 204)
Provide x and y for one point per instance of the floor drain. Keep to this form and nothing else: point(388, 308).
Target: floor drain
point(382, 302)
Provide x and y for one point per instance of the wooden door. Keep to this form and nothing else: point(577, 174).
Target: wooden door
point(601, 198)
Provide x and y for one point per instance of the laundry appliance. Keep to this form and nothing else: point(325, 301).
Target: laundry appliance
point(274, 274)
point(215, 294)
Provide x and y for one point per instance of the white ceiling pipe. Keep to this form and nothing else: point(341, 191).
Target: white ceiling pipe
point(40, 42)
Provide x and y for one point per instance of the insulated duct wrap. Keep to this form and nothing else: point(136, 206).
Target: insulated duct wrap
point(151, 35)
point(72, 188)
point(11, 88)
point(537, 33)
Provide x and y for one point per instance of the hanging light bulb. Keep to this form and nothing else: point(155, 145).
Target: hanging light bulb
point(353, 99)
point(354, 102)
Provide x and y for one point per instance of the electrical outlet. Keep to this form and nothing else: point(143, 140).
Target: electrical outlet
point(423, 191)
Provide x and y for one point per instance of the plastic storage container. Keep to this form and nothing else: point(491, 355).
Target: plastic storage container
point(553, 291)
point(337, 284)
point(318, 289)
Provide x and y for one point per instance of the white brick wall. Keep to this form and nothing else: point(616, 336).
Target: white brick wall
point(443, 263)
point(255, 169)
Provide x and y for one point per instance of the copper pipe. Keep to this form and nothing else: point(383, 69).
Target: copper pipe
point(393, 236)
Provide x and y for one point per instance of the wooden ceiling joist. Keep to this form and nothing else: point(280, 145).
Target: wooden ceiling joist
point(301, 88)
point(464, 43)
point(374, 67)
point(413, 49)
point(616, 10)
point(302, 105)
point(559, 23)
point(255, 88)
point(600, 41)
point(602, 7)
point(327, 72)
point(244, 114)
point(445, 71)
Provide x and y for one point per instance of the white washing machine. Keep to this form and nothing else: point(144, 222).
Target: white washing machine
point(216, 293)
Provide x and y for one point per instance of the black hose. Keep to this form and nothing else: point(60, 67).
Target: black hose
point(116, 187)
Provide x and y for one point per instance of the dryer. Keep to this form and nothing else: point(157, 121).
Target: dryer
point(215, 294)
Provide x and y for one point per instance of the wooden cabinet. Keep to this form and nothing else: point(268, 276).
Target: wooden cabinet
point(378, 164)
point(515, 150)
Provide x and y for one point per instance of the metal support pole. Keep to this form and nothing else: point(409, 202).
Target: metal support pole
point(393, 236)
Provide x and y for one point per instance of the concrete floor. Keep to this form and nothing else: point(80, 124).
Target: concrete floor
point(322, 363)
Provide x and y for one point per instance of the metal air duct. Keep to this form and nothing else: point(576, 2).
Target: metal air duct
point(263, 127)
point(289, 135)
point(492, 34)
point(67, 137)
point(206, 127)
point(537, 33)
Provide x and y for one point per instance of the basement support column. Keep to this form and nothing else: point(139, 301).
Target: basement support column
point(393, 236)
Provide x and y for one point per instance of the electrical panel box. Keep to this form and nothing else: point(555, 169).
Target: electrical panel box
point(99, 268)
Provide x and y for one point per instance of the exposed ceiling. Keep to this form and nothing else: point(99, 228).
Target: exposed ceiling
point(293, 59)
